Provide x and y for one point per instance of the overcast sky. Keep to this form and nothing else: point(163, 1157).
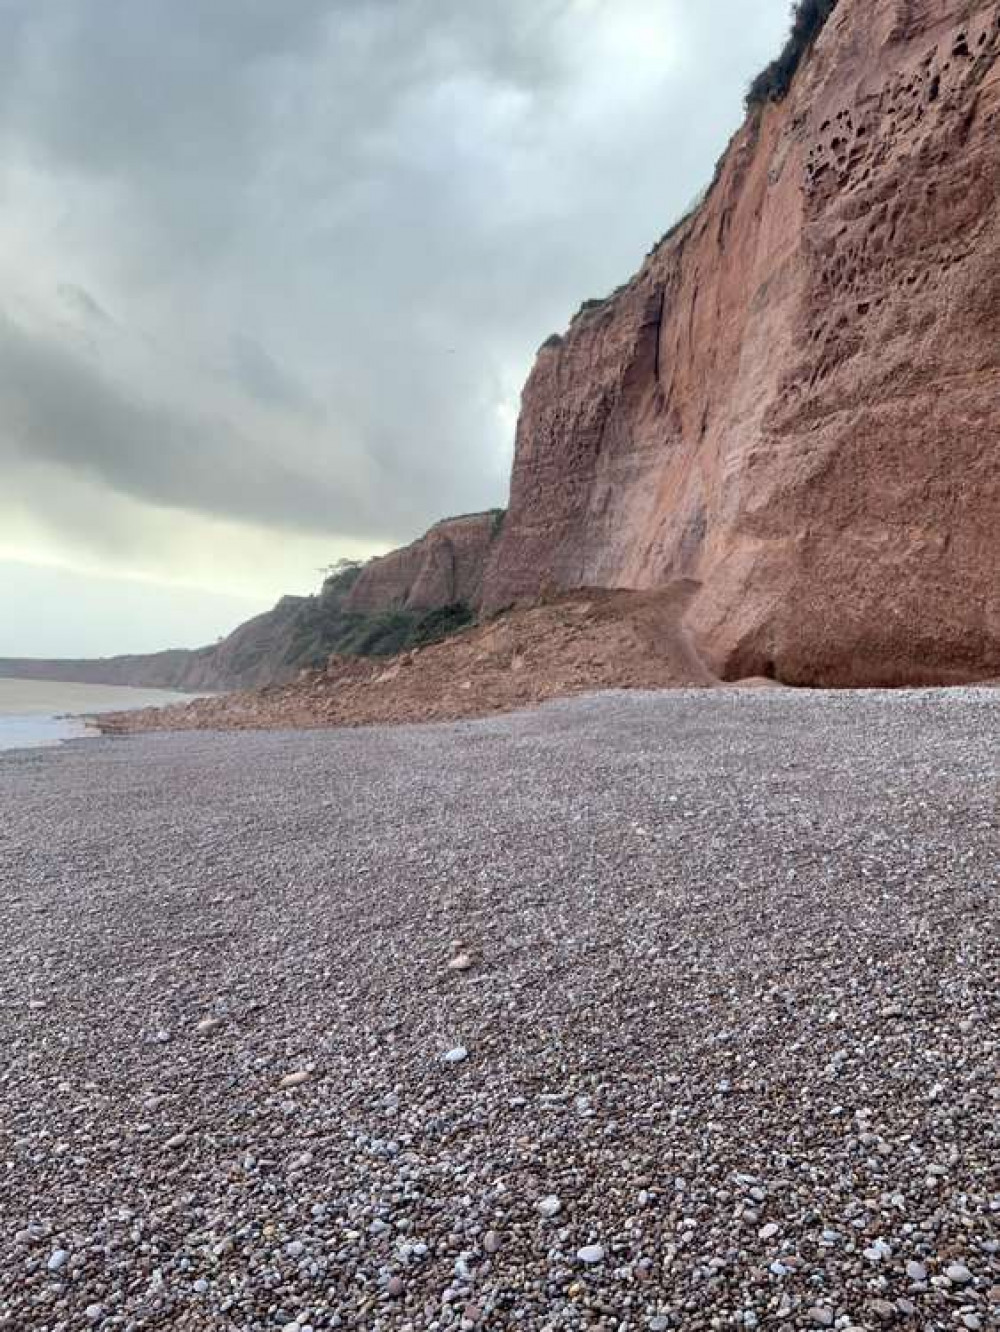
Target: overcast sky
point(274, 271)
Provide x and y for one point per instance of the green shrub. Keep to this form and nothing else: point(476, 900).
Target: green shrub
point(434, 625)
point(773, 83)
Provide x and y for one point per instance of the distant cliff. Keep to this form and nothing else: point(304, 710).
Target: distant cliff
point(407, 598)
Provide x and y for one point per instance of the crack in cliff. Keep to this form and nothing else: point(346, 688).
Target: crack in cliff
point(658, 333)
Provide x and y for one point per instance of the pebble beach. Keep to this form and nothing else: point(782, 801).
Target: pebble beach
point(633, 1012)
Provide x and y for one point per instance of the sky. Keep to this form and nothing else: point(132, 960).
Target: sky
point(272, 275)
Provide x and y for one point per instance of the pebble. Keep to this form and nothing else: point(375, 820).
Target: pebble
point(769, 1231)
point(821, 1315)
point(208, 1024)
point(916, 1271)
point(295, 1079)
point(178, 1140)
point(463, 962)
point(395, 1287)
point(958, 1274)
point(58, 1259)
point(457, 1055)
point(550, 1206)
point(93, 1313)
point(491, 1242)
point(591, 1254)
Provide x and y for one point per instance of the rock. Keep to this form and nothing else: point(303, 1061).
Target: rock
point(705, 422)
point(457, 1055)
point(958, 1274)
point(444, 567)
point(591, 1254)
point(295, 1248)
point(295, 1079)
point(207, 1025)
point(462, 962)
point(491, 1242)
point(178, 1140)
point(58, 1259)
point(394, 1287)
point(916, 1271)
point(884, 1310)
point(200, 1286)
point(658, 1323)
point(769, 1231)
point(550, 1206)
point(94, 1313)
point(821, 1315)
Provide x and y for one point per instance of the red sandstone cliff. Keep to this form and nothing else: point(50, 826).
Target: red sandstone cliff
point(446, 565)
point(796, 401)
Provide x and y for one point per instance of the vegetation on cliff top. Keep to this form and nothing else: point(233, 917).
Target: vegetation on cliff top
point(773, 83)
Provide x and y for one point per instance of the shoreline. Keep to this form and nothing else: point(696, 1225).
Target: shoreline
point(44, 714)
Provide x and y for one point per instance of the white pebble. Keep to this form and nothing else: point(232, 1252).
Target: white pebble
point(591, 1253)
point(295, 1079)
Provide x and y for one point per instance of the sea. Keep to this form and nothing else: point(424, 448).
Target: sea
point(48, 712)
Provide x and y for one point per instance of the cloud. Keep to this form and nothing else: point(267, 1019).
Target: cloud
point(58, 409)
point(288, 264)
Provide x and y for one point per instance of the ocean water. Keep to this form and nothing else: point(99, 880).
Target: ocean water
point(47, 712)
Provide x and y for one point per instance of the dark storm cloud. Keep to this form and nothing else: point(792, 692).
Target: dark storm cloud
point(353, 219)
point(264, 379)
point(56, 408)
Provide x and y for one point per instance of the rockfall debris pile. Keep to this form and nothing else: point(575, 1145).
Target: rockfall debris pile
point(572, 644)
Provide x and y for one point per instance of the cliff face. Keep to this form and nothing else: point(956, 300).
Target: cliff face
point(796, 402)
point(443, 567)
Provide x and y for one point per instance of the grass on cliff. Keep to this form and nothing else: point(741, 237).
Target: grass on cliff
point(322, 625)
point(773, 83)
